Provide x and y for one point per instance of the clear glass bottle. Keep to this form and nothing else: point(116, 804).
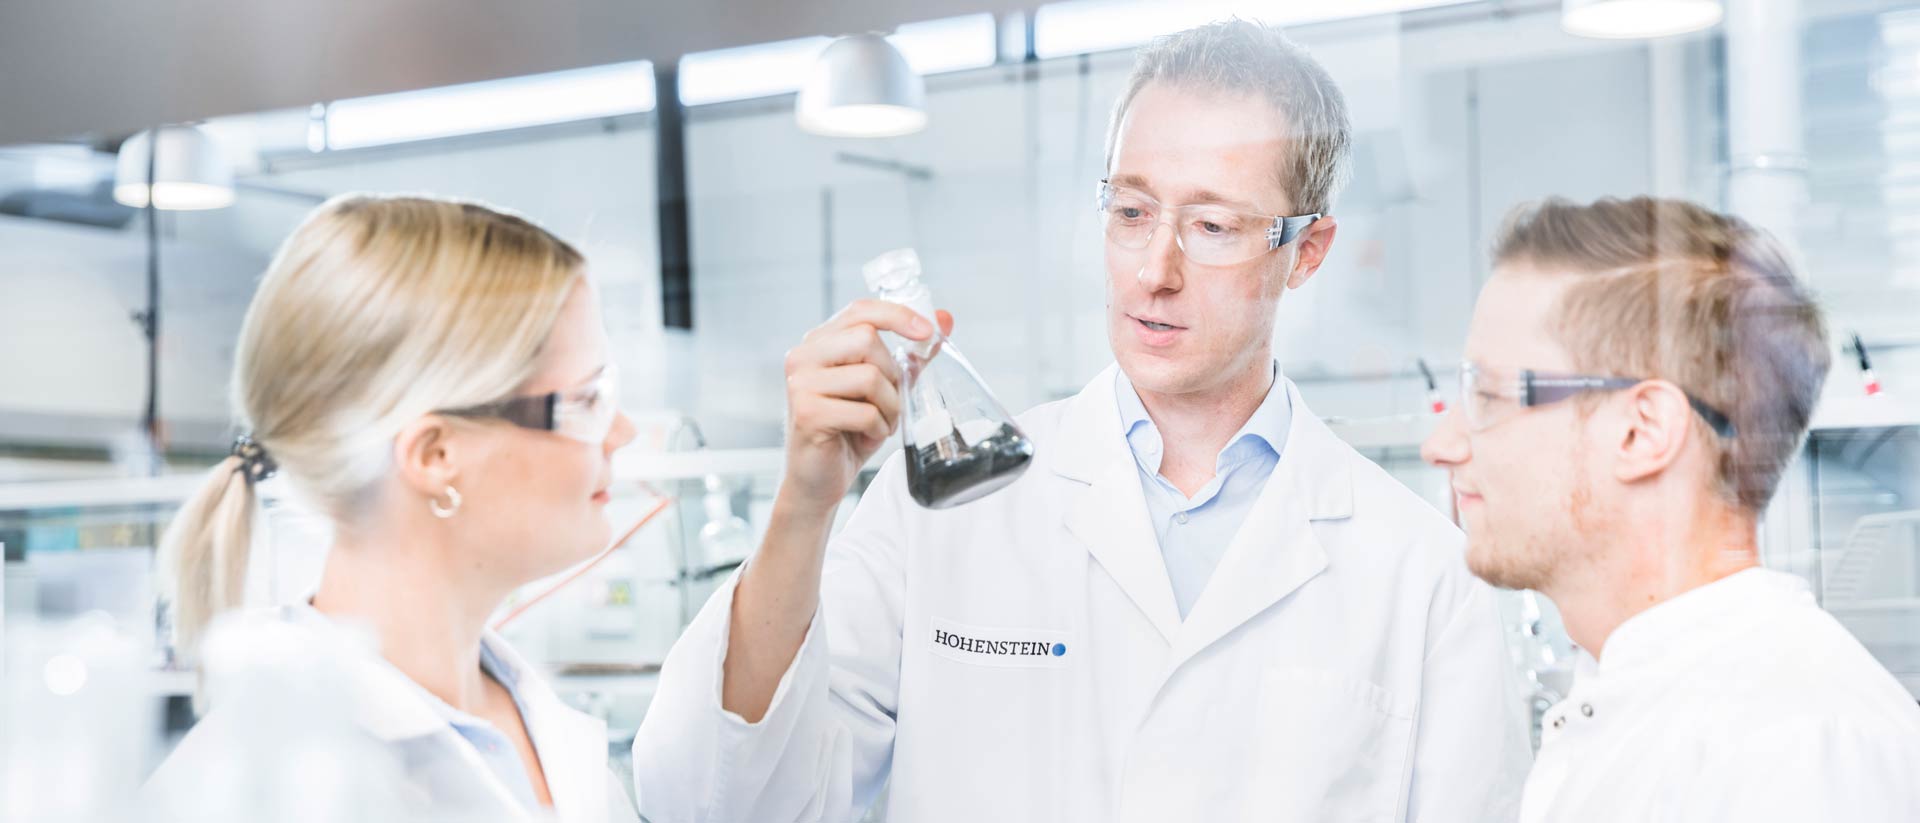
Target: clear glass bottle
point(961, 445)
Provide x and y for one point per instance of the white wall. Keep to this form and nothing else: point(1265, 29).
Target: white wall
point(1455, 124)
point(73, 352)
point(72, 348)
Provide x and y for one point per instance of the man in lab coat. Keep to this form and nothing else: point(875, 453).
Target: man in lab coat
point(1240, 617)
point(1640, 374)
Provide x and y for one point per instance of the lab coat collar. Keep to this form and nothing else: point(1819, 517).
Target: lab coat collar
point(572, 745)
point(1676, 631)
point(386, 703)
point(389, 706)
point(1273, 554)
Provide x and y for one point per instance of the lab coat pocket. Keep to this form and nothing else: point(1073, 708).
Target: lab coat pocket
point(1331, 747)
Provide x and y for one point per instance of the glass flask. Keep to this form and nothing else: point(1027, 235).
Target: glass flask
point(961, 445)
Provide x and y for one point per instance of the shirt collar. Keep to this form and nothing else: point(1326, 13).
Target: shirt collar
point(495, 667)
point(1265, 432)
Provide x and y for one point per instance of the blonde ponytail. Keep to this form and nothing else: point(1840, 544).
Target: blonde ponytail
point(204, 553)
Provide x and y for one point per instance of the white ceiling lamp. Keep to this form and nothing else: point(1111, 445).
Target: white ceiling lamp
point(189, 171)
point(860, 86)
point(1620, 19)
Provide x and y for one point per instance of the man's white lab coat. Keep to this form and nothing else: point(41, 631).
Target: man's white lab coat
point(1021, 658)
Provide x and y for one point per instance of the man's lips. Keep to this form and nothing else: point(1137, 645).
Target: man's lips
point(1156, 324)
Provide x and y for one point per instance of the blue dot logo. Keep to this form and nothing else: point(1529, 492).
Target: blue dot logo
point(1059, 650)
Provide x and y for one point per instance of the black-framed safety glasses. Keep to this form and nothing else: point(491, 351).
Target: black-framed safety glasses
point(1483, 390)
point(585, 414)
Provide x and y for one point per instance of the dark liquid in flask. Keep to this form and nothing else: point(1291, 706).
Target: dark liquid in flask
point(950, 471)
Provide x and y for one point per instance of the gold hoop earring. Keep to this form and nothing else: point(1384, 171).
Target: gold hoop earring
point(452, 507)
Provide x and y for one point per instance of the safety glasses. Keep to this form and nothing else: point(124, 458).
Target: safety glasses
point(1489, 397)
point(585, 414)
point(1208, 234)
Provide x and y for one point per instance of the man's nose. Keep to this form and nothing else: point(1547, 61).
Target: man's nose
point(1448, 445)
point(1160, 269)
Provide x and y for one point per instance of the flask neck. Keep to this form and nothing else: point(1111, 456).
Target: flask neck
point(913, 294)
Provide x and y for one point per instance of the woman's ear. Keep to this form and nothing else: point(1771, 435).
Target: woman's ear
point(428, 453)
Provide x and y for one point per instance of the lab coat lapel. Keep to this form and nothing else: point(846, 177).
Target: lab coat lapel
point(572, 746)
point(1275, 552)
point(1109, 514)
point(573, 752)
point(388, 706)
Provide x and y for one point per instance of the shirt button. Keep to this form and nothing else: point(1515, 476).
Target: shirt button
point(1587, 709)
point(1180, 518)
point(1559, 721)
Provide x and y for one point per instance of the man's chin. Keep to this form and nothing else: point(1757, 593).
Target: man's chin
point(1155, 372)
point(1498, 569)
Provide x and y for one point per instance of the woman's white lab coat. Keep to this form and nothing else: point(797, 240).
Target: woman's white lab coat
point(355, 735)
point(1021, 659)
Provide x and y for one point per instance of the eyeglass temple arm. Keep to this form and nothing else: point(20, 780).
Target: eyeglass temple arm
point(539, 412)
point(1721, 424)
point(1285, 229)
point(1540, 390)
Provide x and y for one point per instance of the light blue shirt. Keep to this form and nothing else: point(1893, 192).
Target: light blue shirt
point(1194, 532)
point(495, 748)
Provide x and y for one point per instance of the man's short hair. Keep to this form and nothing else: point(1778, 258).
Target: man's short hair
point(1239, 57)
point(1666, 289)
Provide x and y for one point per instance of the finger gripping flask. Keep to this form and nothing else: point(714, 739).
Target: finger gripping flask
point(960, 444)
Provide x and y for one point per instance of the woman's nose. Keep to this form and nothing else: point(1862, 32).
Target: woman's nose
point(623, 432)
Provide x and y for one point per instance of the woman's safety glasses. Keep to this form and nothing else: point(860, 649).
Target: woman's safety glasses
point(585, 414)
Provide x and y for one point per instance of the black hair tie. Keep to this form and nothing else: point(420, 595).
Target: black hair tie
point(254, 461)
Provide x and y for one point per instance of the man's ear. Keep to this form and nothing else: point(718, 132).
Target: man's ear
point(1315, 242)
point(1658, 425)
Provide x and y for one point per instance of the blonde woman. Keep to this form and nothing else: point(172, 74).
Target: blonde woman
point(434, 377)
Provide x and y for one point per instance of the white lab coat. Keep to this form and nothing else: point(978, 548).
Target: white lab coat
point(1740, 700)
point(404, 750)
point(1021, 658)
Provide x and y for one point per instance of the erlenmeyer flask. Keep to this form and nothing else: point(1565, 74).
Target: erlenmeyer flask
point(961, 444)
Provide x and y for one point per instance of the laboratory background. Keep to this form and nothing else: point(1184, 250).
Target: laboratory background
point(672, 144)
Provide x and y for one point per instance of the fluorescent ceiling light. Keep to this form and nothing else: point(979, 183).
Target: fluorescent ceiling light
point(190, 171)
point(1623, 19)
point(950, 44)
point(496, 105)
point(768, 69)
point(761, 70)
point(1084, 26)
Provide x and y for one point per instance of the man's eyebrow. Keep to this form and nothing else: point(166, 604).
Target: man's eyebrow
point(1218, 199)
